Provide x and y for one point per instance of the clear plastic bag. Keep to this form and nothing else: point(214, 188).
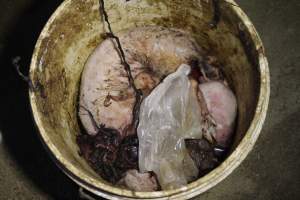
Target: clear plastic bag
point(170, 114)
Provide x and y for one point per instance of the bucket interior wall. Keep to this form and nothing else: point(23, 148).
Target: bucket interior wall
point(73, 34)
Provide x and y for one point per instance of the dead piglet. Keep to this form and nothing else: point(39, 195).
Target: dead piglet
point(222, 106)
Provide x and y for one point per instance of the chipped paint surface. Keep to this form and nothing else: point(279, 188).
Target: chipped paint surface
point(74, 31)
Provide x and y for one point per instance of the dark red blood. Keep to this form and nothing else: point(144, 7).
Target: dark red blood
point(107, 138)
point(128, 153)
point(108, 154)
point(195, 70)
point(85, 144)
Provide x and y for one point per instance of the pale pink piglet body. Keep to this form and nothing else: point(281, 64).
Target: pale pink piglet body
point(222, 105)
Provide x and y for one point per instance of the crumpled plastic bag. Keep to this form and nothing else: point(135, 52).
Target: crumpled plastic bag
point(170, 114)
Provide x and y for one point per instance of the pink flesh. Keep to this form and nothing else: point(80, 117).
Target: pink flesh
point(104, 77)
point(152, 48)
point(222, 105)
point(136, 181)
point(147, 49)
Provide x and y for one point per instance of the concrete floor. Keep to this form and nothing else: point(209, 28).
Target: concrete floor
point(271, 171)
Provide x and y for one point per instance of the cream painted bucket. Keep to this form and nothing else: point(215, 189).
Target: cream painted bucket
point(74, 30)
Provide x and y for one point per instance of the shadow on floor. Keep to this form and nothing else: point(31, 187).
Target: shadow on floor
point(279, 168)
point(16, 123)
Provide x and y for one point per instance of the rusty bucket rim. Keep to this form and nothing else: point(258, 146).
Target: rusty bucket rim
point(193, 189)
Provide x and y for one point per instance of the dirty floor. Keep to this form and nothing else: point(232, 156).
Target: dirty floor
point(271, 171)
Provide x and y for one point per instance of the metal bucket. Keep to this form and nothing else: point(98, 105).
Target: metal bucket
point(74, 30)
